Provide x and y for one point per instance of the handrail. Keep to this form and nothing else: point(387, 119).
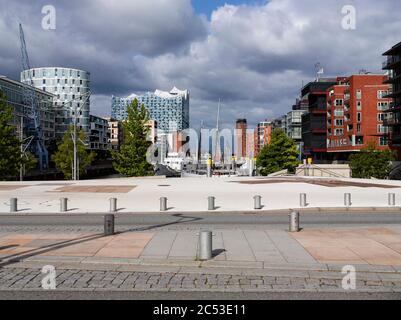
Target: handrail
point(331, 173)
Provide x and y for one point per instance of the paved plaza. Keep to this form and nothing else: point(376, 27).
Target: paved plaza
point(190, 194)
point(244, 260)
point(158, 252)
point(360, 246)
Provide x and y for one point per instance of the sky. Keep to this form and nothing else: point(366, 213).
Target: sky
point(253, 55)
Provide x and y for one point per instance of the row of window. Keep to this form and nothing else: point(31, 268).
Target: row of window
point(339, 132)
point(359, 141)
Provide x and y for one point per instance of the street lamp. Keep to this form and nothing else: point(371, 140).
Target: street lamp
point(84, 98)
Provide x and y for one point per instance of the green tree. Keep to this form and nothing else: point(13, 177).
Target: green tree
point(10, 146)
point(371, 163)
point(131, 160)
point(281, 153)
point(64, 157)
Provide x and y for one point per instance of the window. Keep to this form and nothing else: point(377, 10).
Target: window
point(339, 132)
point(359, 116)
point(358, 128)
point(383, 141)
point(339, 122)
point(382, 129)
point(338, 112)
point(381, 117)
point(359, 141)
point(382, 106)
point(359, 105)
point(339, 102)
point(381, 94)
point(359, 94)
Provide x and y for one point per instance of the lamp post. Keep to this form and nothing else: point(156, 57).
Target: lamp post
point(75, 174)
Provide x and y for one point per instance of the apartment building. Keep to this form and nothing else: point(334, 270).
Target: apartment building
point(392, 65)
point(263, 134)
point(356, 112)
point(314, 121)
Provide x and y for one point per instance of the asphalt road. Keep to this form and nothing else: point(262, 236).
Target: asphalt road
point(217, 220)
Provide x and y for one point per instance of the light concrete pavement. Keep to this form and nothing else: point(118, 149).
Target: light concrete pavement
point(259, 261)
point(190, 194)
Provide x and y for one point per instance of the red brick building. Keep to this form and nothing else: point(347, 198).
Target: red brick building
point(241, 138)
point(263, 134)
point(355, 114)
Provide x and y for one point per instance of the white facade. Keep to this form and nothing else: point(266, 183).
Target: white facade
point(169, 109)
point(69, 86)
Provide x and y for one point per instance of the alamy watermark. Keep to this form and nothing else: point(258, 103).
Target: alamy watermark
point(49, 20)
point(349, 280)
point(348, 21)
point(49, 279)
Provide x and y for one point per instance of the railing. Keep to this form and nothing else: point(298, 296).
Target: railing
point(391, 60)
point(306, 168)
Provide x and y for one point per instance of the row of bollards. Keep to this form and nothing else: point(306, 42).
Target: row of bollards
point(211, 203)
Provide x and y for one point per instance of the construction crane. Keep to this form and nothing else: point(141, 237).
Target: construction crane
point(37, 145)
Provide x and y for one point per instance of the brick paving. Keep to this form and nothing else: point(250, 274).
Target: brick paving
point(12, 278)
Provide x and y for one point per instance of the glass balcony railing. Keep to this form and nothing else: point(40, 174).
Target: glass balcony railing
point(391, 60)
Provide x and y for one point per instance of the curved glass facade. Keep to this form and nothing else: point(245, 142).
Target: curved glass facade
point(69, 86)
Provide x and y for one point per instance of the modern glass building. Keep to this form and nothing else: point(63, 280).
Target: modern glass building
point(69, 87)
point(169, 109)
point(22, 113)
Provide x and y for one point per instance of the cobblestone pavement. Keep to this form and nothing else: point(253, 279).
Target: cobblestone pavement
point(12, 278)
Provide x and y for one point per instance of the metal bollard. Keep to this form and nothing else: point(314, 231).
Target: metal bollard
point(294, 221)
point(63, 205)
point(113, 205)
point(211, 203)
point(258, 202)
point(205, 245)
point(347, 199)
point(163, 204)
point(109, 224)
point(391, 199)
point(13, 205)
point(302, 200)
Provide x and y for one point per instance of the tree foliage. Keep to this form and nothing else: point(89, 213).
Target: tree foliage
point(64, 156)
point(281, 153)
point(131, 159)
point(371, 163)
point(10, 146)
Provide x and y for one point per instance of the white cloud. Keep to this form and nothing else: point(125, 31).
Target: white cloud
point(253, 57)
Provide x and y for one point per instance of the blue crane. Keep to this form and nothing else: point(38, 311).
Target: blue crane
point(37, 145)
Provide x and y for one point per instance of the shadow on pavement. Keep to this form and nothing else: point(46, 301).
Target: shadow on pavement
point(14, 258)
point(181, 219)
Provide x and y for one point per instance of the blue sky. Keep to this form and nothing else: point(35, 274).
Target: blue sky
point(207, 6)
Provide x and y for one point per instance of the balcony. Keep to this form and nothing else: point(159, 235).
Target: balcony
point(391, 122)
point(390, 62)
point(318, 131)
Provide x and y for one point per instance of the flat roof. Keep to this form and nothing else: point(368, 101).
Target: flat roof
point(394, 49)
point(18, 83)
